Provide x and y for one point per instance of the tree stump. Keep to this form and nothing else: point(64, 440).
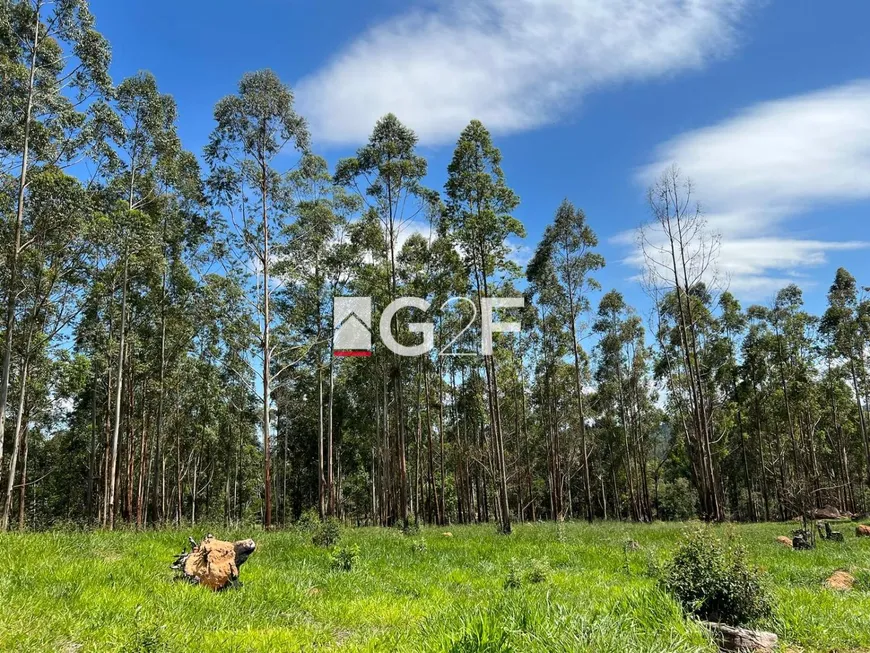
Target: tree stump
point(828, 533)
point(213, 563)
point(729, 638)
point(802, 540)
point(862, 531)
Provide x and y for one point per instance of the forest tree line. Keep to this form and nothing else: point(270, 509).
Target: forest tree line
point(167, 329)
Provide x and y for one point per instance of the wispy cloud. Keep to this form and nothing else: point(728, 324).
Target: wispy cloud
point(773, 162)
point(514, 64)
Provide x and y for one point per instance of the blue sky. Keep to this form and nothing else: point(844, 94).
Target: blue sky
point(765, 105)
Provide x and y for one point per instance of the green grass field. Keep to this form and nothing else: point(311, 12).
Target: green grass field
point(114, 592)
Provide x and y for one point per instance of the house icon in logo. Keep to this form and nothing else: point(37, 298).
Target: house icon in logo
point(352, 322)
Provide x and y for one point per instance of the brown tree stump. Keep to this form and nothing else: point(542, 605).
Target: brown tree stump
point(862, 531)
point(213, 563)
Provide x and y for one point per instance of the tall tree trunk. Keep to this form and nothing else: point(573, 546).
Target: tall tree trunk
point(19, 425)
point(267, 356)
point(495, 412)
point(861, 419)
point(89, 505)
point(119, 386)
point(12, 290)
point(157, 495)
point(143, 472)
point(330, 456)
point(433, 490)
point(578, 388)
point(22, 494)
point(321, 479)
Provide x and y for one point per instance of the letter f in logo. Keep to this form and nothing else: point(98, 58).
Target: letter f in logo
point(352, 322)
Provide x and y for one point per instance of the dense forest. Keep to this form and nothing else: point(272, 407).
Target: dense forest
point(167, 329)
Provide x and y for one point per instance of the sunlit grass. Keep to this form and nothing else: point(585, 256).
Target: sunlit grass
point(114, 592)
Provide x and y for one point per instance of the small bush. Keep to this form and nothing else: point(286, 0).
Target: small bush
point(678, 501)
point(344, 558)
point(328, 533)
point(534, 573)
point(714, 582)
point(419, 545)
point(411, 529)
point(539, 571)
point(561, 533)
point(515, 575)
point(308, 520)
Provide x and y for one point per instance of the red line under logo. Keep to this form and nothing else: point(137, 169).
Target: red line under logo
point(351, 352)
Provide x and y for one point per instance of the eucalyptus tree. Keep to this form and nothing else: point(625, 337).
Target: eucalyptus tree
point(479, 217)
point(758, 351)
point(54, 61)
point(568, 245)
point(256, 127)
point(318, 260)
point(53, 271)
point(842, 326)
point(430, 268)
point(726, 345)
point(622, 390)
point(142, 174)
point(387, 175)
point(231, 331)
point(551, 348)
point(794, 369)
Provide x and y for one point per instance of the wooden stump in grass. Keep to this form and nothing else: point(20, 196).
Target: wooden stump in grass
point(729, 638)
point(213, 563)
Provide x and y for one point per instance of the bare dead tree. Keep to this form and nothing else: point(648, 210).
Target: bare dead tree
point(679, 253)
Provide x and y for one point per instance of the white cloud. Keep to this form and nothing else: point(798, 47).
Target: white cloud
point(771, 163)
point(513, 64)
point(520, 253)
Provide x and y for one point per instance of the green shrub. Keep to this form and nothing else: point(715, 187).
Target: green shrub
point(539, 571)
point(411, 529)
point(308, 520)
point(535, 572)
point(515, 575)
point(344, 558)
point(328, 533)
point(419, 545)
point(714, 582)
point(678, 501)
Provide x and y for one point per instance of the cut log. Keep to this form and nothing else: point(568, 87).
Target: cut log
point(729, 638)
point(214, 563)
point(785, 541)
point(862, 531)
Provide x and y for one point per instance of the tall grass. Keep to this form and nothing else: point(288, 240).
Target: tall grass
point(114, 592)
